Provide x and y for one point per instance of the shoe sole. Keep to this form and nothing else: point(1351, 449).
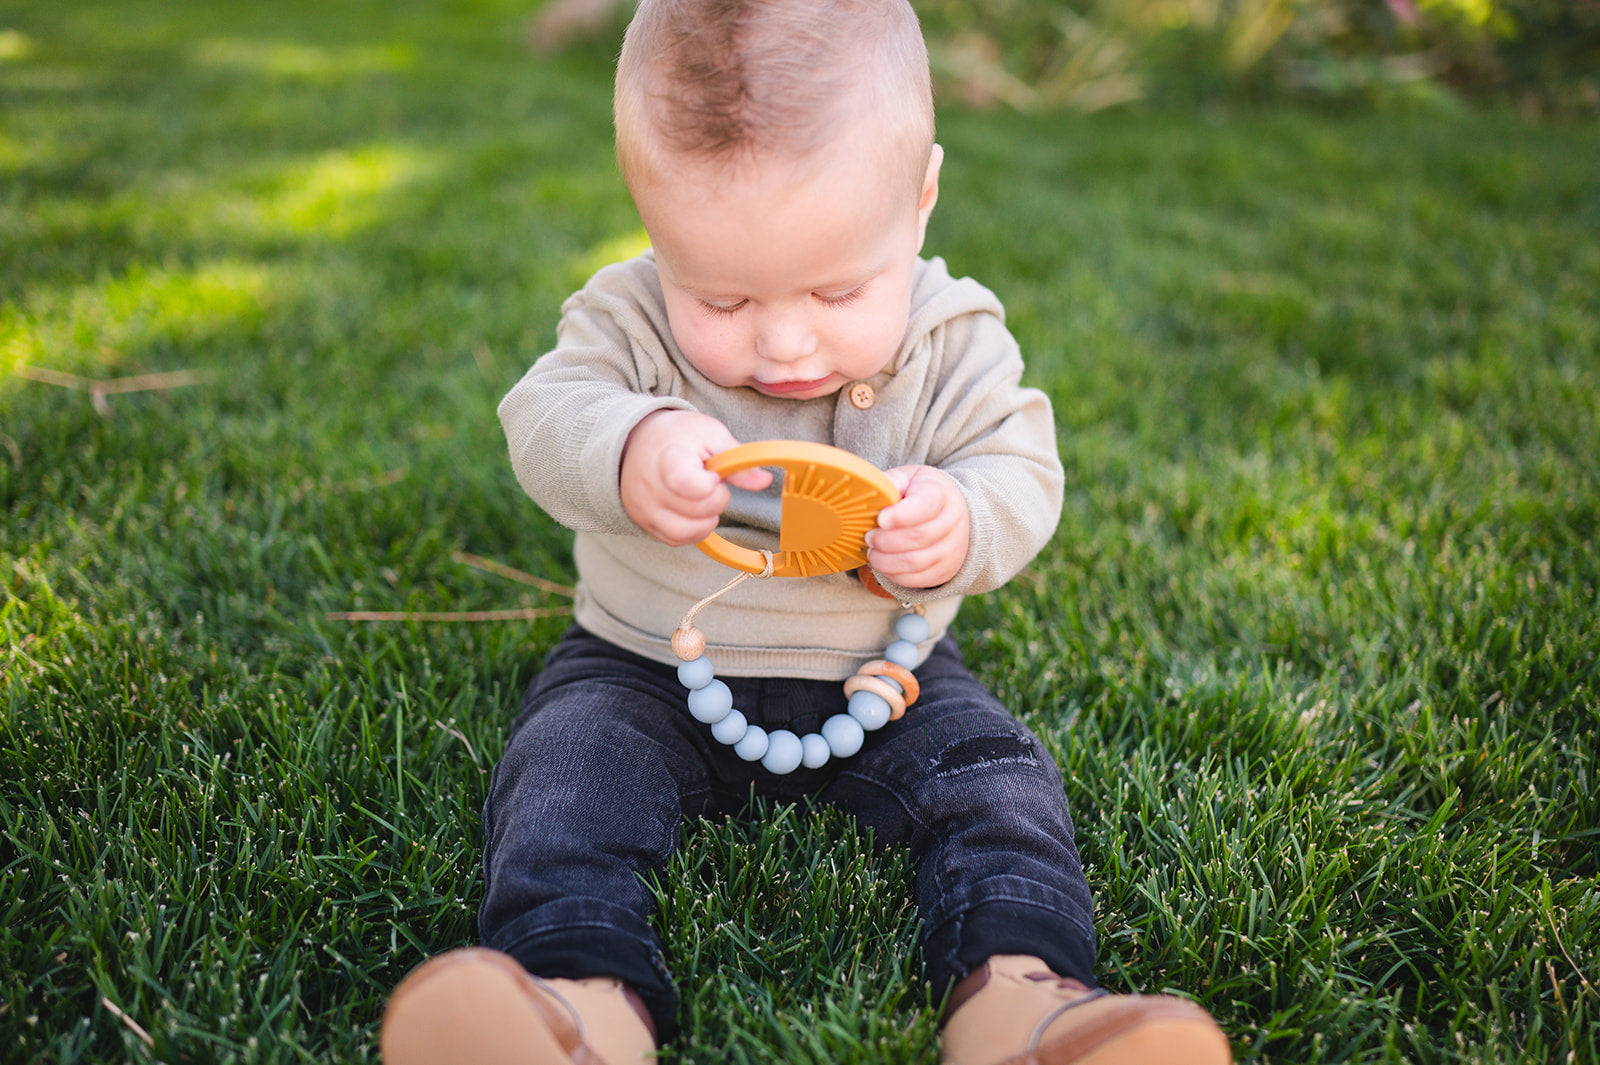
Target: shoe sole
point(476, 1007)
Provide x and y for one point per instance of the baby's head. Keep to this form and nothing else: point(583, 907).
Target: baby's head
point(732, 82)
point(781, 155)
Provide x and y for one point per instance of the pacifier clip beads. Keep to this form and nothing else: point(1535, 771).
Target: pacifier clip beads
point(830, 500)
point(876, 694)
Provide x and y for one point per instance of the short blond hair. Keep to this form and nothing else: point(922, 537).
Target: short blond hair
point(724, 81)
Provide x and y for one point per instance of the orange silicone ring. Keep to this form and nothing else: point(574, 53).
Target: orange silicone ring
point(831, 500)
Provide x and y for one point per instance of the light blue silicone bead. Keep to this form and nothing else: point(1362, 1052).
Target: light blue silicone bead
point(730, 729)
point(814, 750)
point(844, 735)
point(870, 709)
point(753, 744)
point(913, 628)
point(711, 702)
point(696, 674)
point(784, 752)
point(903, 653)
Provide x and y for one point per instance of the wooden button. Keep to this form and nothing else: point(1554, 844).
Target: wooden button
point(862, 396)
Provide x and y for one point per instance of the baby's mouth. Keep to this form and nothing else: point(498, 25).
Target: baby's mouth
point(789, 388)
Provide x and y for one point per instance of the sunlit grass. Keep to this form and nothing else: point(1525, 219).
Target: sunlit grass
point(91, 327)
point(297, 59)
point(332, 195)
point(14, 46)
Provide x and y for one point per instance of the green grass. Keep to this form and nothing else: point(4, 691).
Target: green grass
point(1316, 644)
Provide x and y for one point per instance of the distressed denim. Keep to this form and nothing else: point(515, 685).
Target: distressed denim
point(604, 762)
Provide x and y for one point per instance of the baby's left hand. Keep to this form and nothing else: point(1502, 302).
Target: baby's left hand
point(921, 541)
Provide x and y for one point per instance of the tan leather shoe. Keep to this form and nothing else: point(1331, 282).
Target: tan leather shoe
point(476, 1006)
point(1014, 1011)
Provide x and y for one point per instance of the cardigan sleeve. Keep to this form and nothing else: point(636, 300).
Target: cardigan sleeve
point(568, 418)
point(996, 438)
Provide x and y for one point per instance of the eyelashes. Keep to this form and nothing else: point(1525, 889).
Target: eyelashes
point(854, 296)
point(720, 310)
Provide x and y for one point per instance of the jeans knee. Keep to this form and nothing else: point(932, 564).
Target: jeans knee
point(999, 750)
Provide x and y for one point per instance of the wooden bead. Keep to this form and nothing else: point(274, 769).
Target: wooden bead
point(871, 584)
point(899, 674)
point(688, 644)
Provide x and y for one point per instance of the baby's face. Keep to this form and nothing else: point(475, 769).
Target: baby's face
point(790, 281)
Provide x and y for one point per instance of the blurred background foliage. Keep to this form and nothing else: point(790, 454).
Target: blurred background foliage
point(1542, 56)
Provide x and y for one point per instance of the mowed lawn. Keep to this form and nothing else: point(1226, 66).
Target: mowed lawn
point(1315, 644)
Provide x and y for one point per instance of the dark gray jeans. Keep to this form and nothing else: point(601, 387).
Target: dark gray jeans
point(604, 761)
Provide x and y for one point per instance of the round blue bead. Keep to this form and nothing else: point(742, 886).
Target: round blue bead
point(814, 750)
point(730, 729)
point(753, 745)
point(711, 702)
point(844, 735)
point(696, 674)
point(913, 628)
point(870, 709)
point(784, 752)
point(903, 653)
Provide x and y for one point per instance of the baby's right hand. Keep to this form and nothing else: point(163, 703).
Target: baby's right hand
point(666, 488)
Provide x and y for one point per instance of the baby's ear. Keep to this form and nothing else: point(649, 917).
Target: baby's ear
point(930, 193)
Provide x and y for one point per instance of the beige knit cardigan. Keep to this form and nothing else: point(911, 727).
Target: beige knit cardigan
point(950, 398)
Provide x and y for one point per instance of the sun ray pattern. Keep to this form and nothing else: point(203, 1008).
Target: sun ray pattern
point(831, 500)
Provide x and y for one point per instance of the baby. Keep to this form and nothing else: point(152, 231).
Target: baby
point(781, 155)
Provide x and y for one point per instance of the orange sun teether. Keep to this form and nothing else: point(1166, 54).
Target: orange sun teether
point(831, 500)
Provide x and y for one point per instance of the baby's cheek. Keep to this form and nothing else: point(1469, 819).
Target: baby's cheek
point(706, 345)
point(710, 358)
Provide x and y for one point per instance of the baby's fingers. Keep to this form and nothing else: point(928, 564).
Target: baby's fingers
point(684, 475)
point(925, 494)
point(751, 480)
point(911, 511)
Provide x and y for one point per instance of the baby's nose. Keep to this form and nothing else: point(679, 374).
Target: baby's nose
point(786, 339)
